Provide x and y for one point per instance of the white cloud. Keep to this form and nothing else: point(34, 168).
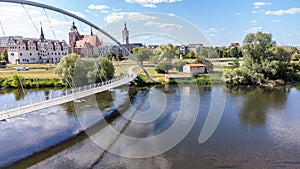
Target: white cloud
point(213, 30)
point(151, 3)
point(257, 5)
point(291, 11)
point(254, 29)
point(98, 7)
point(212, 35)
point(254, 22)
point(238, 13)
point(77, 13)
point(104, 11)
point(163, 25)
point(171, 14)
point(117, 10)
point(130, 16)
point(18, 12)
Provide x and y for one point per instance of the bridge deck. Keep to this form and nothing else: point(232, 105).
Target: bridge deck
point(67, 97)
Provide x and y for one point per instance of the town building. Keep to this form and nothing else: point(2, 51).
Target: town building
point(84, 44)
point(29, 50)
point(194, 68)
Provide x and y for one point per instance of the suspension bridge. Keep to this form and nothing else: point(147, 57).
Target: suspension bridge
point(26, 107)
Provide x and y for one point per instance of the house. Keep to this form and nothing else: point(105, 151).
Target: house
point(29, 50)
point(194, 68)
point(83, 44)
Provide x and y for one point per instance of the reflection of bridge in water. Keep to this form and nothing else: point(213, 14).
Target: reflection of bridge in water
point(74, 93)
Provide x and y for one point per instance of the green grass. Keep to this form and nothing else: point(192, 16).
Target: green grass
point(31, 74)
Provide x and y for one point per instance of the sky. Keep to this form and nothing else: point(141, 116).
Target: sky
point(210, 22)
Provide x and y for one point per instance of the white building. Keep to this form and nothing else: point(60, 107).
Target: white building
point(28, 51)
point(194, 68)
point(4, 40)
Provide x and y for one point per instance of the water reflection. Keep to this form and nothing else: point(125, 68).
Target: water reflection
point(257, 103)
point(19, 94)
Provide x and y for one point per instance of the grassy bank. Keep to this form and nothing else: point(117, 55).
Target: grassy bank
point(30, 79)
point(175, 77)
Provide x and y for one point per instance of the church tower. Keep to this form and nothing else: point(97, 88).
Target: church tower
point(73, 37)
point(125, 34)
point(42, 36)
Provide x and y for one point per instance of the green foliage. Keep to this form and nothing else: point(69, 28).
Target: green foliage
point(209, 53)
point(166, 52)
point(83, 71)
point(263, 62)
point(4, 55)
point(142, 54)
point(179, 65)
point(16, 81)
point(66, 67)
point(235, 52)
point(205, 61)
point(110, 55)
point(236, 63)
point(163, 67)
point(191, 55)
point(295, 57)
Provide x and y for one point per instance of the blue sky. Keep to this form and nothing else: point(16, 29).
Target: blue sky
point(219, 22)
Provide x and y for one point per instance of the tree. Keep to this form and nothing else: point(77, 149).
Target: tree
point(295, 57)
point(83, 71)
point(191, 55)
point(16, 80)
point(166, 52)
point(142, 54)
point(163, 67)
point(205, 61)
point(263, 61)
point(179, 65)
point(4, 55)
point(66, 67)
point(209, 53)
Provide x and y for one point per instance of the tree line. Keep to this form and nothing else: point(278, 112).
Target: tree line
point(264, 62)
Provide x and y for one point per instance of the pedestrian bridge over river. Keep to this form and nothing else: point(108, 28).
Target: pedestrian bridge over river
point(22, 108)
point(28, 106)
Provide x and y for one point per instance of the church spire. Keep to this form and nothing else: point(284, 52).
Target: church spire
point(42, 36)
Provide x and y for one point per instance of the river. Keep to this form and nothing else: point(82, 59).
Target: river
point(259, 128)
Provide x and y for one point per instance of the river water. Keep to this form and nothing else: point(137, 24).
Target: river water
point(259, 128)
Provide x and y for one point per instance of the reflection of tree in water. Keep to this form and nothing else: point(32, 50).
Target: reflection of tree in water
point(257, 101)
point(18, 93)
point(47, 94)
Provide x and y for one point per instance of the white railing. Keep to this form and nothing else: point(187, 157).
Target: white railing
point(29, 105)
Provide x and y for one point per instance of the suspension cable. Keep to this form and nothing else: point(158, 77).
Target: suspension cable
point(2, 28)
point(81, 27)
point(37, 30)
point(50, 24)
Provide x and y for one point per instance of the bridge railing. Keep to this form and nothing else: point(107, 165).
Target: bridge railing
point(43, 99)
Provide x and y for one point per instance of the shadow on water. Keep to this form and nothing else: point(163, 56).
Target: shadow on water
point(257, 101)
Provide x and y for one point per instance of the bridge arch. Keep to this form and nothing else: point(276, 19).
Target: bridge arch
point(39, 5)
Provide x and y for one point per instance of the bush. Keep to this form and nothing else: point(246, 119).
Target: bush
point(163, 67)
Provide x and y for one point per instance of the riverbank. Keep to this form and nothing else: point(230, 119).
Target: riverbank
point(175, 77)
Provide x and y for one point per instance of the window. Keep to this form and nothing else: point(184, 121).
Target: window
point(21, 54)
point(12, 54)
point(30, 54)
